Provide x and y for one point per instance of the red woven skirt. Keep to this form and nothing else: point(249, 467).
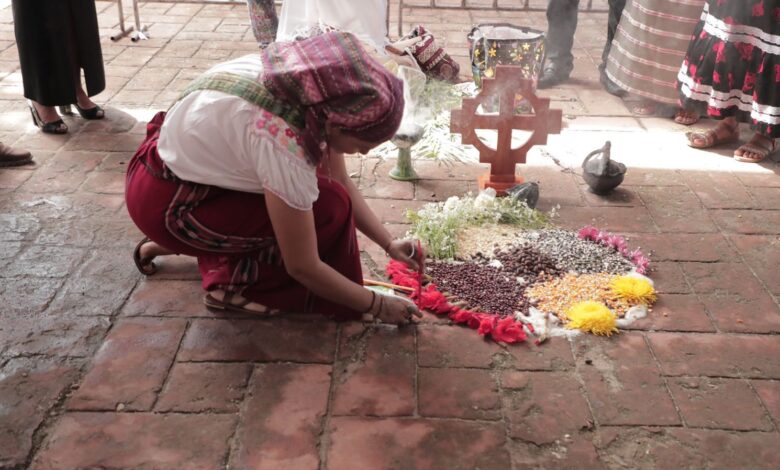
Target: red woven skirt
point(231, 234)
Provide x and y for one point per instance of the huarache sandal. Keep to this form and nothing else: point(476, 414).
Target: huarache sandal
point(145, 265)
point(644, 108)
point(723, 134)
point(686, 117)
point(755, 151)
point(241, 306)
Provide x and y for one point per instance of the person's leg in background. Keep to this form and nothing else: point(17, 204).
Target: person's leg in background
point(615, 11)
point(561, 24)
point(262, 14)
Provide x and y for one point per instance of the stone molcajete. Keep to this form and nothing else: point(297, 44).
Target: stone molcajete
point(600, 172)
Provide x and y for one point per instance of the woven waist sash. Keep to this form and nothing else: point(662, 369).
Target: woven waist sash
point(249, 90)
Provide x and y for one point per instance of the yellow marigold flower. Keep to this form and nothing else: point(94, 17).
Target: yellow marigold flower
point(592, 317)
point(633, 289)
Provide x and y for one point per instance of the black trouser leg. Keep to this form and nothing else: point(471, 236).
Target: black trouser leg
point(561, 24)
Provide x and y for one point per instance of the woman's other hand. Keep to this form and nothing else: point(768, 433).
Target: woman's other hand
point(408, 252)
point(394, 309)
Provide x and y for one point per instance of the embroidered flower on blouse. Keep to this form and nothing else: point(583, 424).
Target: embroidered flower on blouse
point(274, 127)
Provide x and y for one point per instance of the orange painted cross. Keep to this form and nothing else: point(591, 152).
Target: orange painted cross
point(507, 85)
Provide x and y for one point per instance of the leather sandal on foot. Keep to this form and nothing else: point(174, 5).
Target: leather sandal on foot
point(686, 118)
point(240, 307)
point(711, 138)
point(145, 265)
point(754, 147)
point(644, 108)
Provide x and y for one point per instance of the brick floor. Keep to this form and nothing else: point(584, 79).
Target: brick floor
point(100, 368)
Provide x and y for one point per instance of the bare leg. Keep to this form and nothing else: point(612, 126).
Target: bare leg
point(47, 113)
point(82, 99)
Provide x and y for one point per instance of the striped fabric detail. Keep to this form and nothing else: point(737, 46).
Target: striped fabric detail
point(182, 224)
point(769, 43)
point(720, 100)
point(650, 44)
point(251, 91)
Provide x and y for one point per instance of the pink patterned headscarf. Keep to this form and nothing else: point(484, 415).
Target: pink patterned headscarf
point(331, 78)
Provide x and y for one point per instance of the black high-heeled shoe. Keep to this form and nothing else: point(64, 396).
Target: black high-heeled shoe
point(54, 127)
point(91, 113)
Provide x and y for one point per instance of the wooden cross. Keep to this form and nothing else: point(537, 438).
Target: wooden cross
point(509, 83)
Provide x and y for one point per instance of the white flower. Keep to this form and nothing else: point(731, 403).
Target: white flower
point(451, 204)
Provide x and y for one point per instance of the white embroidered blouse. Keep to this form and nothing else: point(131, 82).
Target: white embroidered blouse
point(214, 138)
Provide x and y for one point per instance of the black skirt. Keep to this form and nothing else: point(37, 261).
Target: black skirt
point(55, 39)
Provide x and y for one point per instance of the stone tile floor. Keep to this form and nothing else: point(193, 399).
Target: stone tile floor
point(100, 367)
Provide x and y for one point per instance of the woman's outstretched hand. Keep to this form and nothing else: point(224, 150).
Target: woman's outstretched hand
point(408, 252)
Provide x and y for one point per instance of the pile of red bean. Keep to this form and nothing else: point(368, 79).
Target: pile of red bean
point(481, 287)
point(528, 263)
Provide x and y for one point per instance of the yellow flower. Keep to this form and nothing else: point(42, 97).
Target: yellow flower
point(633, 289)
point(592, 317)
point(492, 52)
point(476, 52)
point(489, 73)
point(526, 46)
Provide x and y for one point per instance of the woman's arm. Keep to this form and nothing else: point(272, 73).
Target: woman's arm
point(297, 238)
point(365, 219)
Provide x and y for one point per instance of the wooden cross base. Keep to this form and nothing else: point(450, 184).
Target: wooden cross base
point(507, 84)
point(501, 187)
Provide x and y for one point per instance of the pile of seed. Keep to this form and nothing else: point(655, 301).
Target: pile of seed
point(527, 263)
point(480, 287)
point(571, 254)
point(558, 295)
point(483, 241)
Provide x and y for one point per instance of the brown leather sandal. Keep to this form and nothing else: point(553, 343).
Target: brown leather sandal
point(686, 117)
point(145, 265)
point(754, 147)
point(711, 138)
point(240, 307)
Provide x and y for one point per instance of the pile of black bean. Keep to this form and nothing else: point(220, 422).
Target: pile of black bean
point(574, 255)
point(480, 287)
point(528, 263)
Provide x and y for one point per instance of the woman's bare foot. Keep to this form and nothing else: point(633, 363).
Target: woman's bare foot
point(725, 132)
point(151, 250)
point(756, 150)
point(144, 254)
point(686, 117)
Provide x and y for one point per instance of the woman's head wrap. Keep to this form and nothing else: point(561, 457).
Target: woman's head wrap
point(332, 78)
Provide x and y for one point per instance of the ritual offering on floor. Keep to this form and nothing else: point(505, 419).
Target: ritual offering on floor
point(505, 270)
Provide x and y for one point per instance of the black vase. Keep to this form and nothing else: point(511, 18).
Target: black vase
point(600, 173)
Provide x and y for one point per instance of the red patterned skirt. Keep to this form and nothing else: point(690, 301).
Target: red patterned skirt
point(231, 234)
point(732, 67)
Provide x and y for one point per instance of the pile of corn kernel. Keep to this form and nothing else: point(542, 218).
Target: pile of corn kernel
point(558, 295)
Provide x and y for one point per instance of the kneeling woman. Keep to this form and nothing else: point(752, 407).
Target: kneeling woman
point(246, 172)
